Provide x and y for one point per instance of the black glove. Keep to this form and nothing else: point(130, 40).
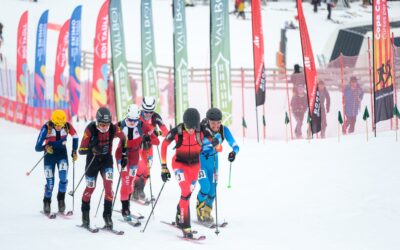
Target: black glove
point(146, 138)
point(231, 156)
point(124, 160)
point(74, 155)
point(165, 174)
point(215, 142)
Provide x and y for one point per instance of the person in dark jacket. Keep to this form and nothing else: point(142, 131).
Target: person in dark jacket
point(353, 95)
point(325, 102)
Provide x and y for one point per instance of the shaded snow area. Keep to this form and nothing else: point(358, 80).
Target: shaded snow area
point(298, 195)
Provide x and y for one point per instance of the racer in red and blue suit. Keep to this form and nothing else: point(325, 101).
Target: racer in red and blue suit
point(52, 140)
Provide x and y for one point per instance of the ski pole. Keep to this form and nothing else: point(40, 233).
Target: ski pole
point(116, 191)
point(151, 188)
point(155, 203)
point(28, 173)
point(216, 201)
point(230, 170)
point(101, 196)
point(72, 193)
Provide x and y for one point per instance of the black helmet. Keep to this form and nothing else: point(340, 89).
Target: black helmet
point(191, 118)
point(214, 114)
point(103, 115)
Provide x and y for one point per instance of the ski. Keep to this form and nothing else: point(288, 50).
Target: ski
point(145, 202)
point(131, 222)
point(138, 216)
point(116, 232)
point(173, 224)
point(92, 230)
point(67, 215)
point(212, 225)
point(50, 215)
point(199, 238)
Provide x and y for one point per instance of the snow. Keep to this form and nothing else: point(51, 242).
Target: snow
point(319, 194)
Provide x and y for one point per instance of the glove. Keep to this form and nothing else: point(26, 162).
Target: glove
point(146, 138)
point(157, 132)
point(48, 149)
point(74, 155)
point(95, 150)
point(215, 142)
point(231, 156)
point(124, 160)
point(165, 174)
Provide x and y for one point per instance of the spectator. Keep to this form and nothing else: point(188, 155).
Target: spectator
point(353, 95)
point(299, 107)
point(316, 3)
point(241, 10)
point(329, 4)
point(325, 102)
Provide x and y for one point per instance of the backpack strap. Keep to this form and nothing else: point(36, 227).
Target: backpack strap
point(179, 130)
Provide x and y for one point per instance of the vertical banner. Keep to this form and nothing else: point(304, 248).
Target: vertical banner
point(180, 61)
point(221, 88)
point(310, 72)
point(75, 59)
point(123, 96)
point(258, 52)
point(149, 70)
point(100, 70)
point(22, 66)
point(60, 82)
point(383, 70)
point(40, 61)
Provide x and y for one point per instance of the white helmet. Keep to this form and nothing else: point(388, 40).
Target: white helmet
point(149, 104)
point(133, 112)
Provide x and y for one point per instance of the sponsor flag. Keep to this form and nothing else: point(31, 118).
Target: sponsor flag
point(258, 52)
point(310, 72)
point(40, 61)
point(75, 59)
point(221, 88)
point(100, 70)
point(122, 90)
point(180, 61)
point(382, 65)
point(22, 66)
point(60, 82)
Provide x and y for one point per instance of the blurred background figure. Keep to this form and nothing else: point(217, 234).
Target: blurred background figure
point(299, 108)
point(353, 95)
point(325, 102)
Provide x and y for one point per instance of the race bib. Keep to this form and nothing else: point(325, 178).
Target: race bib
point(63, 165)
point(108, 173)
point(48, 173)
point(179, 175)
point(90, 182)
point(202, 174)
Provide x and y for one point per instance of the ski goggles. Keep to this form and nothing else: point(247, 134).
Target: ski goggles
point(132, 120)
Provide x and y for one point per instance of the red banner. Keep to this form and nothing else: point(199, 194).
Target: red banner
point(258, 52)
point(12, 106)
point(383, 65)
point(2, 107)
point(100, 71)
point(29, 116)
point(309, 71)
point(60, 82)
point(20, 113)
point(22, 66)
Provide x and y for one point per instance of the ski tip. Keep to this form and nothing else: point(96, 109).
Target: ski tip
point(27, 173)
point(69, 213)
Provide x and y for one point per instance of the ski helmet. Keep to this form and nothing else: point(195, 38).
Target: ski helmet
point(58, 118)
point(149, 104)
point(191, 118)
point(214, 114)
point(133, 112)
point(103, 115)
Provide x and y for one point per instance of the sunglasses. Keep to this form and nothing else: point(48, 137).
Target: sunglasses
point(132, 120)
point(148, 112)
